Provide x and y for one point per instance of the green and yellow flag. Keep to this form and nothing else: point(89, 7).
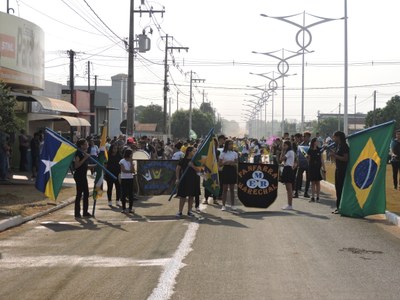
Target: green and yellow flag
point(102, 158)
point(365, 182)
point(55, 160)
point(206, 159)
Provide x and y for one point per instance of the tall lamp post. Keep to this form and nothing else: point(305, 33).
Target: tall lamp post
point(283, 69)
point(303, 29)
point(272, 87)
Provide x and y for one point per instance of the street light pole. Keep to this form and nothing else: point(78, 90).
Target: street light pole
point(303, 45)
point(283, 69)
point(346, 79)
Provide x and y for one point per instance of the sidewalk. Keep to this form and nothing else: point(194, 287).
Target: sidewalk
point(20, 202)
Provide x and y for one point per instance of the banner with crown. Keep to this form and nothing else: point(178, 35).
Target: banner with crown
point(156, 177)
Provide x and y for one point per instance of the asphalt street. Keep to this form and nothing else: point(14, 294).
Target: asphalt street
point(307, 253)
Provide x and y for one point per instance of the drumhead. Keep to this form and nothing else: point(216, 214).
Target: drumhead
point(140, 155)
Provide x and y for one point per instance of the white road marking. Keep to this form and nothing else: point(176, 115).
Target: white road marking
point(166, 282)
point(75, 260)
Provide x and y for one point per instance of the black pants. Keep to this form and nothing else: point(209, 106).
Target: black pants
point(23, 160)
point(81, 188)
point(127, 191)
point(110, 183)
point(299, 180)
point(339, 182)
point(395, 169)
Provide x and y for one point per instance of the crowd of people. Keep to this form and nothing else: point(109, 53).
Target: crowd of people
point(300, 169)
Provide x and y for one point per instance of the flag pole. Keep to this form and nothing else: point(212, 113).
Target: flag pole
point(193, 158)
point(91, 158)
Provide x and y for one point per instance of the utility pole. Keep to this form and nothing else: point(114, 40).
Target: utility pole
point(374, 116)
point(71, 54)
point(91, 101)
point(166, 68)
point(130, 119)
point(191, 98)
point(177, 100)
point(355, 111)
point(169, 123)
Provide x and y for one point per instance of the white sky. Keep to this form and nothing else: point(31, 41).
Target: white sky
point(220, 32)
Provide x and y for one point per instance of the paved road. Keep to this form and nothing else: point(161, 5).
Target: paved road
point(260, 254)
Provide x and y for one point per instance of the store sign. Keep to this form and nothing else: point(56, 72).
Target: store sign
point(21, 52)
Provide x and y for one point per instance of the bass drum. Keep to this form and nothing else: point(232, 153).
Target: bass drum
point(140, 155)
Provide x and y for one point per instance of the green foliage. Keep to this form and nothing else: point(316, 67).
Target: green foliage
point(152, 114)
point(9, 122)
point(201, 123)
point(381, 115)
point(329, 126)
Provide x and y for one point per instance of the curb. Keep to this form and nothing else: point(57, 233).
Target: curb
point(391, 217)
point(18, 220)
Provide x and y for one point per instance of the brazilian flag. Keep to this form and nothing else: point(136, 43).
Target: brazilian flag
point(55, 160)
point(205, 160)
point(365, 182)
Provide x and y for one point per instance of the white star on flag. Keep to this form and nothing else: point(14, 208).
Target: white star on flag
point(49, 164)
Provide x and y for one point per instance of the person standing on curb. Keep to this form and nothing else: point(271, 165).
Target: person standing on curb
point(395, 158)
point(341, 156)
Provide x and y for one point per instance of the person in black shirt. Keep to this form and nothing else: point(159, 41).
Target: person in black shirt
point(35, 153)
point(114, 157)
point(315, 167)
point(341, 156)
point(80, 177)
point(189, 185)
point(395, 158)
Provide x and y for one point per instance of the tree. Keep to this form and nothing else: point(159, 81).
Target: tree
point(201, 123)
point(329, 126)
point(230, 127)
point(381, 115)
point(9, 122)
point(152, 114)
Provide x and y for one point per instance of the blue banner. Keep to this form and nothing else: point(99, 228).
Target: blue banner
point(156, 177)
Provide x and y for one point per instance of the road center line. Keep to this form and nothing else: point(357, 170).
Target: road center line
point(166, 282)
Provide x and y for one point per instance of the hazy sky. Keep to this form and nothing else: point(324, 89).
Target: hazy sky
point(221, 36)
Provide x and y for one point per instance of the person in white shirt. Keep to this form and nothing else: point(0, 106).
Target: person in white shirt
point(178, 154)
point(127, 170)
point(228, 159)
point(287, 178)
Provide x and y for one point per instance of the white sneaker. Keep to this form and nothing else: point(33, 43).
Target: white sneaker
point(223, 208)
point(198, 209)
point(109, 203)
point(119, 203)
point(233, 207)
point(287, 207)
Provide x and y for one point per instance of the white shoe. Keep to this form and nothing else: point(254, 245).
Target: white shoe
point(287, 207)
point(198, 209)
point(233, 207)
point(109, 203)
point(223, 208)
point(119, 203)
